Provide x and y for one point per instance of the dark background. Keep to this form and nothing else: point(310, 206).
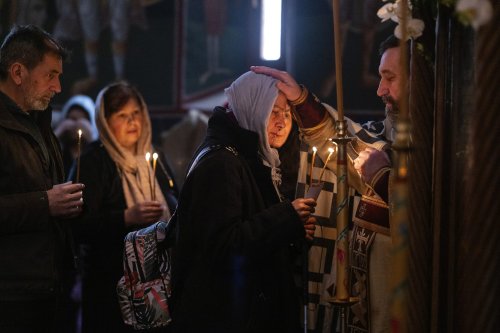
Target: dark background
point(165, 60)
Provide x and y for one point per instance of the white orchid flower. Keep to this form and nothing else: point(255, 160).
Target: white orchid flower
point(474, 12)
point(387, 11)
point(414, 29)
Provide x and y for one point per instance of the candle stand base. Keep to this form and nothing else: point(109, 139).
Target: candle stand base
point(343, 304)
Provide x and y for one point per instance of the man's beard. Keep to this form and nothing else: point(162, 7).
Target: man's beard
point(35, 102)
point(391, 108)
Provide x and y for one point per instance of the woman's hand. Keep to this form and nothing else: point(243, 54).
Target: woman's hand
point(310, 227)
point(146, 212)
point(304, 207)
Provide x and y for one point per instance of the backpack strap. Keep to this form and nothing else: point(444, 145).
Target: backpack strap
point(208, 149)
point(172, 222)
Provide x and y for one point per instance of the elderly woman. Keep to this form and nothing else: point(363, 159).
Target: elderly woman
point(237, 238)
point(121, 194)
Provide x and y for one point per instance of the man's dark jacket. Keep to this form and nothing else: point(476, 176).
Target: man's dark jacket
point(33, 245)
point(232, 266)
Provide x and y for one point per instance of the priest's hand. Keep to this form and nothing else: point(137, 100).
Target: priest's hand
point(369, 162)
point(286, 83)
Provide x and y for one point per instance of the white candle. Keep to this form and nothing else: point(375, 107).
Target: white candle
point(312, 165)
point(330, 151)
point(78, 155)
point(148, 157)
point(155, 157)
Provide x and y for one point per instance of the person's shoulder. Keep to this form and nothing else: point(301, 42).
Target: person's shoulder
point(219, 157)
point(95, 151)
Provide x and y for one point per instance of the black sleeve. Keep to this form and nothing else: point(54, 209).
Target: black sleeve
point(104, 203)
point(167, 182)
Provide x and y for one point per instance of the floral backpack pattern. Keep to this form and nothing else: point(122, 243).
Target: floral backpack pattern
point(144, 289)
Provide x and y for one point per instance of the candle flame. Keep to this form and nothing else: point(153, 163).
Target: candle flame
point(155, 156)
point(315, 149)
point(148, 156)
point(331, 150)
point(79, 133)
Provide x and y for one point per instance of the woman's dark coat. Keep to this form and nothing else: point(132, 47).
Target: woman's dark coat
point(233, 262)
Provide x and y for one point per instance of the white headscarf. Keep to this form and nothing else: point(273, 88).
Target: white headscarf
point(251, 98)
point(134, 171)
point(87, 104)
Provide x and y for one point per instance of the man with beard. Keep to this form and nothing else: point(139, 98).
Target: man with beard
point(368, 174)
point(371, 164)
point(34, 239)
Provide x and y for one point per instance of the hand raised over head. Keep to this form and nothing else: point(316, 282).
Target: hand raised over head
point(286, 84)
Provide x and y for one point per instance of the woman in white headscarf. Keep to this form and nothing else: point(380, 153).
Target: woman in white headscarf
point(121, 194)
point(233, 264)
point(77, 113)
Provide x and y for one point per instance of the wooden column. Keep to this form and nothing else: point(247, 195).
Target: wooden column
point(477, 301)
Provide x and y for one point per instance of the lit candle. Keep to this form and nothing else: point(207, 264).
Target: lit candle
point(155, 157)
point(78, 155)
point(312, 165)
point(148, 157)
point(330, 151)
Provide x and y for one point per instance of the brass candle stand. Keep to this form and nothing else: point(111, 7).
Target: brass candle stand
point(342, 297)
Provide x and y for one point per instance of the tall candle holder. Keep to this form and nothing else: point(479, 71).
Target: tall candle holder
point(342, 296)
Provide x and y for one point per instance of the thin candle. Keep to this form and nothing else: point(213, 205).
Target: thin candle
point(338, 59)
point(312, 165)
point(330, 152)
point(148, 157)
point(78, 153)
point(155, 157)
